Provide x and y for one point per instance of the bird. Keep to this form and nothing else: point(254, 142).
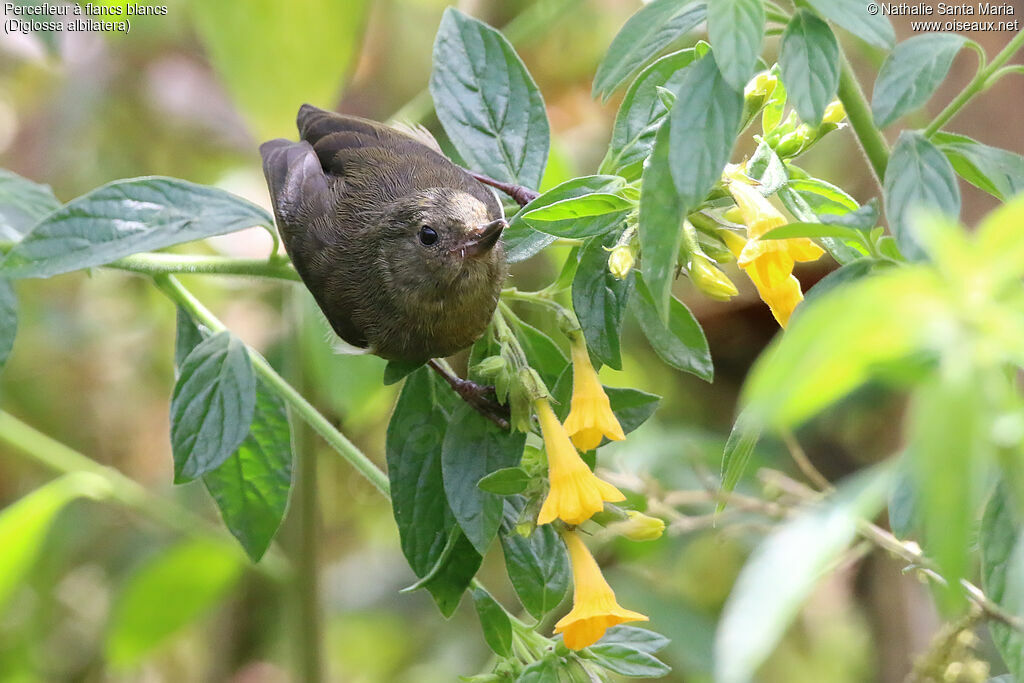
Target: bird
point(400, 248)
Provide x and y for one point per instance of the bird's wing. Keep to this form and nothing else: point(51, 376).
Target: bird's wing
point(298, 186)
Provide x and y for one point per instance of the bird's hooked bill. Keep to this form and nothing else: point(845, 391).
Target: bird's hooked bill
point(483, 240)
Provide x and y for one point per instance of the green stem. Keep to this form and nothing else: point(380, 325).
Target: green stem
point(859, 114)
point(978, 84)
point(338, 441)
point(63, 459)
point(165, 264)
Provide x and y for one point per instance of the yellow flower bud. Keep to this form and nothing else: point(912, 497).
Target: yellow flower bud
point(710, 280)
point(762, 86)
point(620, 261)
point(834, 112)
point(640, 527)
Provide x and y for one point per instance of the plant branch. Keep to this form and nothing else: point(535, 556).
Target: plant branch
point(170, 286)
point(876, 149)
point(978, 84)
point(166, 264)
point(799, 456)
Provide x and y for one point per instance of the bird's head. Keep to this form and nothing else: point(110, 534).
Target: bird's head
point(442, 242)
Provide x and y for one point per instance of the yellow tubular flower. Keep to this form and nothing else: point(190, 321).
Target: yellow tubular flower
point(594, 609)
point(590, 413)
point(575, 492)
point(769, 263)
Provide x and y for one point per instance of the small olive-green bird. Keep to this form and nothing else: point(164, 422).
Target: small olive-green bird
point(400, 247)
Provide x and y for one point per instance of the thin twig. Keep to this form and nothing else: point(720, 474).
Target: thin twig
point(804, 463)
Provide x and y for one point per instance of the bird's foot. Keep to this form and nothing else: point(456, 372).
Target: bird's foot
point(522, 195)
point(481, 398)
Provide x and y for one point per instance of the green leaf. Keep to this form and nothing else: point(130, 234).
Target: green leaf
point(850, 272)
point(473, 448)
point(585, 216)
point(836, 343)
point(918, 176)
point(852, 15)
point(767, 169)
point(166, 594)
point(414, 438)
point(680, 343)
point(996, 171)
point(494, 621)
point(809, 62)
point(521, 241)
point(736, 29)
point(23, 203)
point(797, 204)
point(660, 224)
point(453, 572)
point(599, 300)
point(25, 523)
point(541, 671)
point(507, 481)
point(212, 407)
point(251, 488)
point(785, 568)
point(397, 370)
point(125, 217)
point(538, 566)
point(642, 112)
point(814, 230)
point(253, 43)
point(627, 661)
point(1002, 574)
point(653, 28)
point(948, 451)
point(544, 354)
point(487, 102)
point(738, 448)
point(911, 73)
point(704, 123)
point(635, 638)
point(823, 198)
point(8, 319)
point(863, 218)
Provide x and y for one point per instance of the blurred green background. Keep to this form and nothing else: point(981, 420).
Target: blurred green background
point(192, 94)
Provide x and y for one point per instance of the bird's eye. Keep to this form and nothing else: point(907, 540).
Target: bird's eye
point(428, 235)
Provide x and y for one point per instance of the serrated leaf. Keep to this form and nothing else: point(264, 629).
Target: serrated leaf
point(473, 448)
point(125, 217)
point(494, 621)
point(785, 568)
point(212, 407)
point(521, 241)
point(918, 176)
point(507, 481)
point(538, 566)
point(736, 29)
point(627, 661)
point(680, 343)
point(703, 127)
point(487, 101)
point(653, 28)
point(584, 216)
point(911, 74)
point(23, 203)
point(854, 17)
point(660, 223)
point(1002, 574)
point(635, 638)
point(642, 111)
point(996, 171)
point(599, 300)
point(809, 63)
